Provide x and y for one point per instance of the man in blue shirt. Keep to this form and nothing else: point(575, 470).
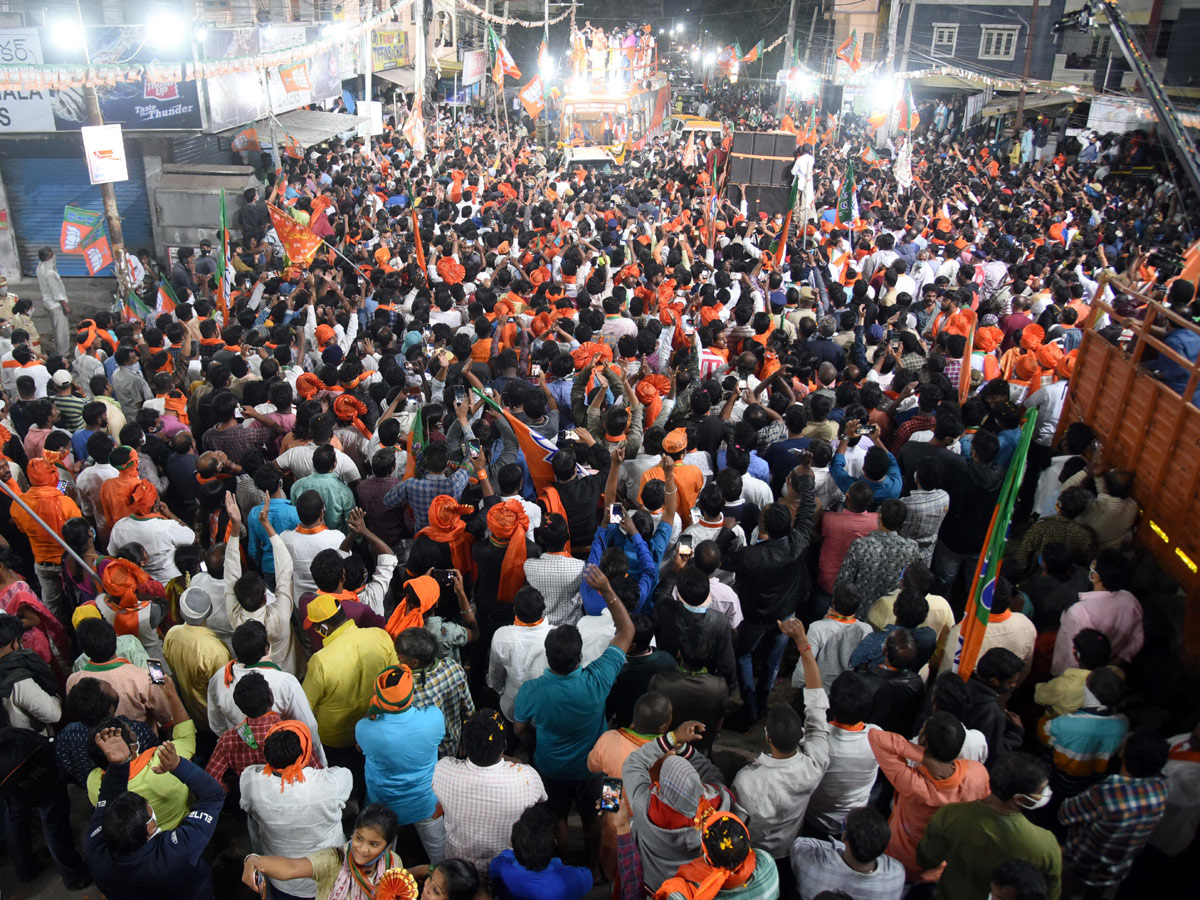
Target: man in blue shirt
point(400, 743)
point(530, 870)
point(880, 470)
point(282, 515)
point(1186, 343)
point(566, 706)
point(95, 419)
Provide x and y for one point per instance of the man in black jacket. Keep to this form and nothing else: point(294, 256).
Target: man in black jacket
point(998, 672)
point(679, 606)
point(897, 692)
point(771, 581)
point(127, 855)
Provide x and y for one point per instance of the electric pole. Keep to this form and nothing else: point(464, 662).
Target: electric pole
point(1025, 74)
point(790, 40)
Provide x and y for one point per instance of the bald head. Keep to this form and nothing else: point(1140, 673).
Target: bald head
point(208, 464)
point(827, 373)
point(214, 561)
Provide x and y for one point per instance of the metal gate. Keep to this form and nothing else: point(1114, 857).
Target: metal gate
point(39, 188)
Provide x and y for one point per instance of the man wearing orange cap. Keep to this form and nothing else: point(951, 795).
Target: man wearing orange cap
point(116, 495)
point(688, 478)
point(1048, 400)
point(151, 524)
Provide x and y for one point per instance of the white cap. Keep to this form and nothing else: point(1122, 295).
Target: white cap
point(62, 377)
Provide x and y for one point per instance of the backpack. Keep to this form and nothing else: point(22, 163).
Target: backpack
point(27, 766)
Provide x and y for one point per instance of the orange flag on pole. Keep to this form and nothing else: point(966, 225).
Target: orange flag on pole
point(299, 243)
point(417, 239)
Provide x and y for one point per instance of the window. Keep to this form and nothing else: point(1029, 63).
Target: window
point(999, 42)
point(868, 46)
point(945, 37)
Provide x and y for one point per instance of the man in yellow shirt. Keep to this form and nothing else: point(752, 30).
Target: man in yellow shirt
point(194, 652)
point(341, 678)
point(166, 794)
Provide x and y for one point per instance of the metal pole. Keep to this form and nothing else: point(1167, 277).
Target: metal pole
point(893, 27)
point(50, 531)
point(912, 12)
point(504, 27)
point(108, 194)
point(812, 27)
point(789, 40)
point(1025, 73)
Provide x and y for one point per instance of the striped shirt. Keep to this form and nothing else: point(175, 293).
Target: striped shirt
point(1110, 823)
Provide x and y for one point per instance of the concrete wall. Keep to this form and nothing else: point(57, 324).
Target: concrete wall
point(10, 263)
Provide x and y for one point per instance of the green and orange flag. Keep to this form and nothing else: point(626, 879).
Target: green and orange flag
point(850, 51)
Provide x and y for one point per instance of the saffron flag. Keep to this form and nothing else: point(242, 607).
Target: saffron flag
point(533, 97)
point(808, 134)
point(414, 129)
point(299, 243)
point(727, 58)
point(295, 78)
point(847, 204)
point(133, 309)
point(979, 604)
point(755, 52)
point(537, 449)
point(224, 267)
point(869, 156)
point(420, 250)
point(850, 51)
point(97, 252)
point(246, 139)
point(793, 202)
point(414, 445)
point(689, 152)
point(906, 114)
point(77, 225)
point(166, 299)
point(504, 60)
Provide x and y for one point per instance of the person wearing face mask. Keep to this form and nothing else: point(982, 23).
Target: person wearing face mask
point(130, 851)
point(974, 837)
point(1108, 607)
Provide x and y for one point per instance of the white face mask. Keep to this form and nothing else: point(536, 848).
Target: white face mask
point(1036, 803)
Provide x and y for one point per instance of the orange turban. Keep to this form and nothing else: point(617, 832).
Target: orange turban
point(1032, 336)
point(43, 496)
point(132, 462)
point(295, 771)
point(325, 334)
point(393, 691)
point(1026, 367)
point(446, 526)
point(1066, 366)
point(122, 580)
point(176, 404)
point(307, 385)
point(426, 590)
point(508, 521)
point(708, 313)
point(988, 338)
point(143, 497)
point(1049, 356)
point(349, 408)
point(41, 472)
point(541, 324)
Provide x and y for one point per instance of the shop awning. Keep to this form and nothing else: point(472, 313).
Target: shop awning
point(448, 67)
point(404, 78)
point(307, 126)
point(1032, 101)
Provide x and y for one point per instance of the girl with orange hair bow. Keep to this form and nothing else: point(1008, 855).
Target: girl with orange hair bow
point(507, 523)
point(446, 526)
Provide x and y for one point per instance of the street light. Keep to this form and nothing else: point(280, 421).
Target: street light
point(165, 30)
point(695, 56)
point(69, 34)
point(710, 58)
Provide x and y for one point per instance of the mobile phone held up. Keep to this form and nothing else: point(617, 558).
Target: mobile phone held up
point(155, 668)
point(617, 515)
point(611, 792)
point(685, 545)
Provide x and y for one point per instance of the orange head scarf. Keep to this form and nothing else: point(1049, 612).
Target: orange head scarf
point(43, 495)
point(122, 580)
point(176, 404)
point(349, 408)
point(706, 878)
point(295, 770)
point(324, 334)
point(393, 691)
point(508, 521)
point(1049, 356)
point(446, 526)
point(1066, 365)
point(649, 397)
point(131, 463)
point(426, 591)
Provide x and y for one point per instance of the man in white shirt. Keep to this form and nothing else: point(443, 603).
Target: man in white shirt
point(253, 652)
point(297, 809)
point(518, 651)
point(99, 448)
point(309, 538)
point(160, 533)
point(775, 788)
point(299, 460)
point(852, 767)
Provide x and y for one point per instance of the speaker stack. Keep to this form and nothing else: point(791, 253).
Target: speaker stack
point(760, 170)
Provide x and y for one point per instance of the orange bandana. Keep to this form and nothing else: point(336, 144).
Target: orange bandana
point(426, 591)
point(295, 771)
point(508, 521)
point(446, 526)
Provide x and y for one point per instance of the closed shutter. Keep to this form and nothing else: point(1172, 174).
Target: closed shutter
point(38, 189)
point(200, 148)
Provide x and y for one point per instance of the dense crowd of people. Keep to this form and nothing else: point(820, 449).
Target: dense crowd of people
point(545, 493)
